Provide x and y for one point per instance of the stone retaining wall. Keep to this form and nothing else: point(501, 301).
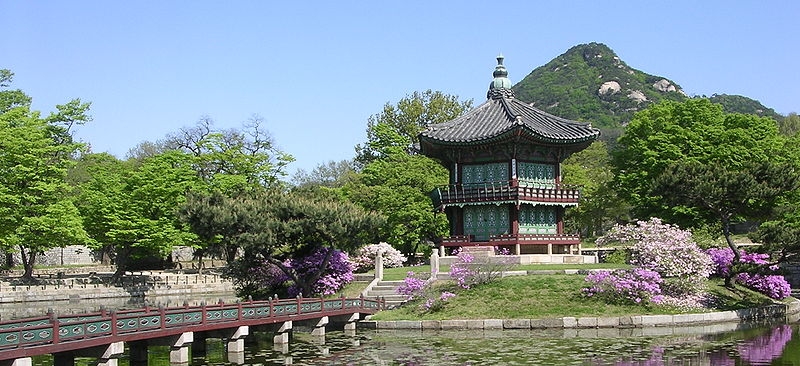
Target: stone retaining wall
point(635, 321)
point(154, 285)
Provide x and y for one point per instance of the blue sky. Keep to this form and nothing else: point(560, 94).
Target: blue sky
point(315, 71)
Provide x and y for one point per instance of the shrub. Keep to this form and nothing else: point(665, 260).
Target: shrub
point(757, 274)
point(260, 279)
point(665, 249)
point(365, 258)
point(468, 270)
point(415, 287)
point(634, 286)
point(338, 273)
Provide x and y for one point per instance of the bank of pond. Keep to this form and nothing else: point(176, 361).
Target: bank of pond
point(772, 343)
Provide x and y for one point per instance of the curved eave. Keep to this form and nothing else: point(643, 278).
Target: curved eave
point(509, 135)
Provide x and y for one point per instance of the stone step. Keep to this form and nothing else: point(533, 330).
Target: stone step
point(383, 293)
point(390, 283)
point(384, 288)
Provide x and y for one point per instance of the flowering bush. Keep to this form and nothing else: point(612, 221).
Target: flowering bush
point(625, 286)
point(338, 273)
point(261, 279)
point(761, 279)
point(415, 287)
point(468, 270)
point(365, 258)
point(663, 248)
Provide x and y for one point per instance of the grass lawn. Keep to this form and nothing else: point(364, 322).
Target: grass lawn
point(399, 273)
point(547, 296)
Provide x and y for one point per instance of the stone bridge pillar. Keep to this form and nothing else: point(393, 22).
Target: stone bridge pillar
point(24, 361)
point(236, 339)
point(319, 327)
point(283, 333)
point(179, 349)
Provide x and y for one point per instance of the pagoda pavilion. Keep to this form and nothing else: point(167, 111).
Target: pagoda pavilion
point(504, 159)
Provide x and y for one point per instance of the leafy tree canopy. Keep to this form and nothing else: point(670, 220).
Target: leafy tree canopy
point(36, 210)
point(397, 126)
point(274, 227)
point(695, 131)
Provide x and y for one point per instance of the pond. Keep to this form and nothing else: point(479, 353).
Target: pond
point(723, 344)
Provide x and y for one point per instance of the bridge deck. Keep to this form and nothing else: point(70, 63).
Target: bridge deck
point(44, 335)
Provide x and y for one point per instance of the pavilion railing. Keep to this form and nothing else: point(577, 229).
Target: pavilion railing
point(512, 190)
point(512, 239)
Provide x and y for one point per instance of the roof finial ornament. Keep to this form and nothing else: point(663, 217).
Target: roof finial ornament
point(500, 87)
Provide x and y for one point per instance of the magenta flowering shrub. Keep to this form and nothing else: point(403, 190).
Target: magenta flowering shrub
point(260, 279)
point(468, 271)
point(663, 248)
point(461, 271)
point(633, 286)
point(338, 273)
point(415, 287)
point(763, 279)
point(364, 260)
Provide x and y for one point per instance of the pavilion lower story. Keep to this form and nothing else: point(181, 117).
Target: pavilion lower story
point(526, 248)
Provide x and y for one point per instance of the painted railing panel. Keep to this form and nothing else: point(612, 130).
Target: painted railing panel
point(15, 335)
point(504, 191)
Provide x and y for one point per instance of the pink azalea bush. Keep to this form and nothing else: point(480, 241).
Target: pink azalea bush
point(364, 260)
point(338, 273)
point(634, 286)
point(763, 279)
point(415, 287)
point(466, 271)
point(666, 250)
point(265, 279)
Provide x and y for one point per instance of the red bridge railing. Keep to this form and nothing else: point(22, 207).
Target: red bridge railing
point(34, 336)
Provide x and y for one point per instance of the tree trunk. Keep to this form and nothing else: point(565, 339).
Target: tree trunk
point(121, 263)
point(726, 231)
point(28, 260)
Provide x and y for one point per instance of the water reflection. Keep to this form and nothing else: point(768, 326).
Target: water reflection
point(755, 344)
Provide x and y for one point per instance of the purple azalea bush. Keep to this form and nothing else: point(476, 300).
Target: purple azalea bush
point(338, 273)
point(364, 260)
point(415, 287)
point(660, 248)
point(773, 285)
point(265, 279)
point(634, 286)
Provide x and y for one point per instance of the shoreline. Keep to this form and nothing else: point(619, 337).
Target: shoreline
point(792, 309)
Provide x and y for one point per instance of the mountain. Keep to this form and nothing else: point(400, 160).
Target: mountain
point(591, 83)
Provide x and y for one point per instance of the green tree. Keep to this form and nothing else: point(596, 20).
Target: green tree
point(790, 124)
point(398, 187)
point(131, 207)
point(406, 120)
point(233, 159)
point(331, 174)
point(36, 210)
point(273, 226)
point(600, 206)
point(695, 130)
point(722, 195)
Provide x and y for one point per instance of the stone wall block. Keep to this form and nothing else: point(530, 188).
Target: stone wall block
point(570, 322)
point(517, 324)
point(587, 322)
point(493, 324)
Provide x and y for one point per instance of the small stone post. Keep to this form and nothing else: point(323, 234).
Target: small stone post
point(379, 265)
point(434, 265)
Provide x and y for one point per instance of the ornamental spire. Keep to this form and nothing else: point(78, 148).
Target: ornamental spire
point(500, 87)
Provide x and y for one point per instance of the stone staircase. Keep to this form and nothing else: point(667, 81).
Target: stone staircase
point(388, 291)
